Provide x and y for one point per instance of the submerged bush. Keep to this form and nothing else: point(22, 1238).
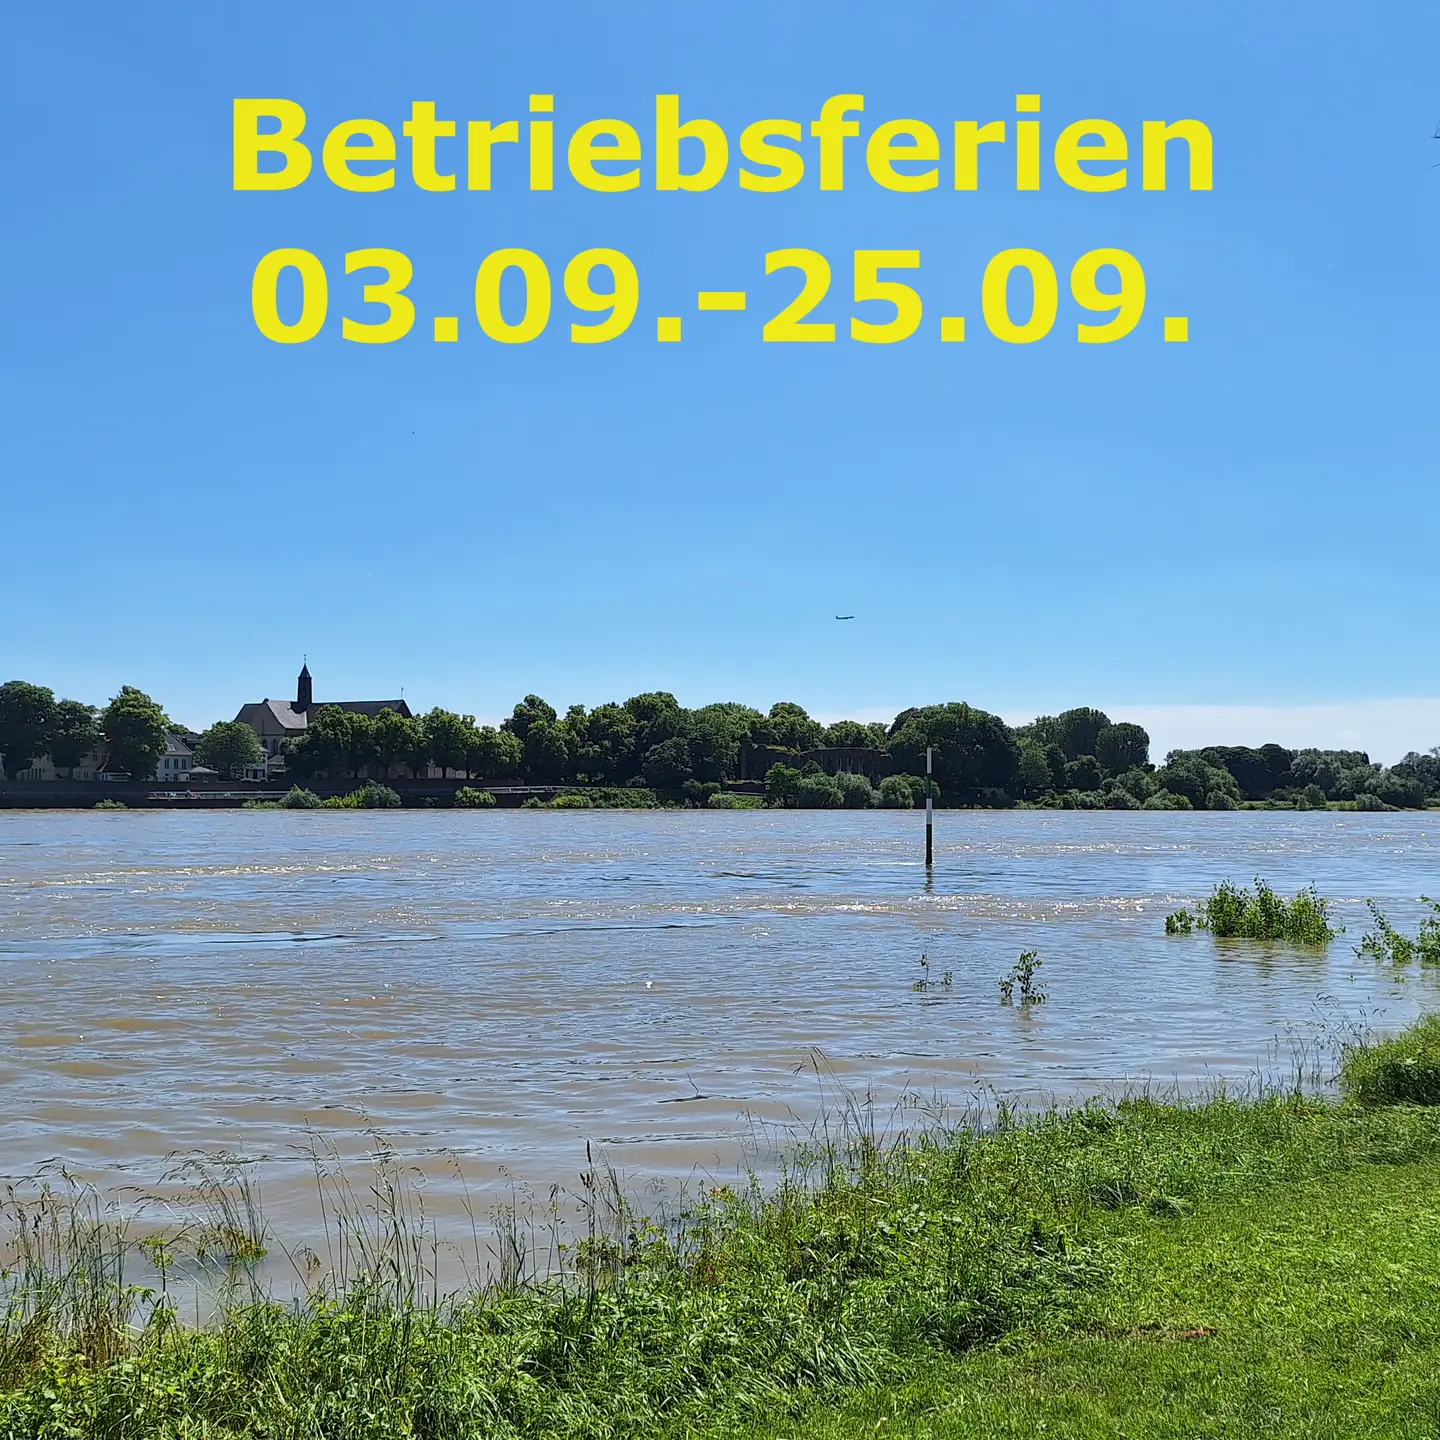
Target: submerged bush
point(298, 799)
point(1233, 913)
point(728, 800)
point(1181, 922)
point(1402, 1071)
point(467, 797)
point(111, 805)
point(1387, 943)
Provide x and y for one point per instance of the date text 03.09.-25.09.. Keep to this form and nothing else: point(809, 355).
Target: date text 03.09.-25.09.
point(893, 311)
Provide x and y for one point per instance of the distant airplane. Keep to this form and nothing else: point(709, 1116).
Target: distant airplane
point(844, 617)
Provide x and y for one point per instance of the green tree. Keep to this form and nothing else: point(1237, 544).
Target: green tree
point(1074, 731)
point(1257, 772)
point(450, 738)
point(27, 720)
point(789, 727)
point(1204, 785)
point(302, 756)
point(136, 732)
point(74, 735)
point(1033, 777)
point(819, 791)
point(1084, 773)
point(230, 747)
point(1080, 729)
point(494, 754)
point(612, 734)
point(714, 734)
point(1401, 788)
point(547, 752)
point(974, 750)
point(335, 739)
point(896, 794)
point(657, 717)
point(667, 765)
point(853, 733)
point(856, 792)
point(396, 738)
point(530, 711)
point(1141, 784)
point(1122, 747)
point(781, 785)
point(359, 741)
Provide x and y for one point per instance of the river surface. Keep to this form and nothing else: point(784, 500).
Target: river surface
point(488, 992)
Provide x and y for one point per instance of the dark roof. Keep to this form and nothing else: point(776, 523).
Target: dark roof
point(289, 717)
point(365, 707)
point(298, 720)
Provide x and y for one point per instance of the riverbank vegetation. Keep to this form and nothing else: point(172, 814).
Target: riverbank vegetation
point(1079, 759)
point(1232, 912)
point(954, 1262)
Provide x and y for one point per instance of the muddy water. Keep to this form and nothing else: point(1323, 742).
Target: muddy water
point(505, 987)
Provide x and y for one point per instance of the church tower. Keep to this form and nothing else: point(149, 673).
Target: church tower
point(303, 695)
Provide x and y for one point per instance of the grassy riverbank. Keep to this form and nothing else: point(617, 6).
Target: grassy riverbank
point(1260, 1266)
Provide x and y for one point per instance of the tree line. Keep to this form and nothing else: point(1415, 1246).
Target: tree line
point(132, 731)
point(1077, 759)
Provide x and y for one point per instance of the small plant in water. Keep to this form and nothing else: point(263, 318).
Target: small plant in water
point(1182, 922)
point(925, 982)
point(1022, 978)
point(1388, 944)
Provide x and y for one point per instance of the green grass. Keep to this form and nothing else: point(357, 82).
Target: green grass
point(1312, 1313)
point(1402, 1071)
point(1067, 1269)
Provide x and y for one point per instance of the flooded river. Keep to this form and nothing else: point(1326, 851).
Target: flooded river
point(503, 987)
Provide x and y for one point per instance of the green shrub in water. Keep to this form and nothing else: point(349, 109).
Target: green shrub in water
point(1387, 943)
point(728, 800)
point(298, 799)
point(111, 805)
point(1233, 913)
point(1402, 1071)
point(469, 798)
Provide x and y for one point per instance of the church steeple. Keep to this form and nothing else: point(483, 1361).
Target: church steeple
point(304, 697)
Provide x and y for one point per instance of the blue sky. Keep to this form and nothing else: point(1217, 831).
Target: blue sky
point(1246, 521)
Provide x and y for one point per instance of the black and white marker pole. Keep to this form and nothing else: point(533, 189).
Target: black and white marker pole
point(929, 812)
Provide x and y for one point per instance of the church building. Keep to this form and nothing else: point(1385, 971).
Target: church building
point(276, 721)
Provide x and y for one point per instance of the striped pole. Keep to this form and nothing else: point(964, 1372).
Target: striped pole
point(929, 812)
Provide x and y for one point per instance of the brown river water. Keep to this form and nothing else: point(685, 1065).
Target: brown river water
point(488, 992)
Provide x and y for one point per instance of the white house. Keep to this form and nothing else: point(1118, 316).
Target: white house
point(174, 765)
point(177, 761)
